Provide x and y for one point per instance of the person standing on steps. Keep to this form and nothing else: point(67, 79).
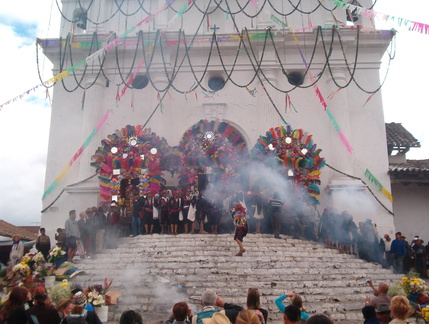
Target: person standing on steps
point(276, 214)
point(100, 225)
point(202, 208)
point(43, 243)
point(241, 229)
point(72, 234)
point(398, 251)
point(174, 207)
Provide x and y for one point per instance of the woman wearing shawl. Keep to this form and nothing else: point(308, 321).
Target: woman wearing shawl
point(16, 251)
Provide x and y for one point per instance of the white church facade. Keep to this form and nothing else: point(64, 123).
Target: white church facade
point(253, 74)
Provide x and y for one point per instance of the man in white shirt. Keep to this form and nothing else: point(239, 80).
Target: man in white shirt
point(387, 243)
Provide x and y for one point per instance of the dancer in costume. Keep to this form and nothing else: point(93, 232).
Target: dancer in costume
point(239, 218)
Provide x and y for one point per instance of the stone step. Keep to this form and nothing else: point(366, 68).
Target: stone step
point(155, 271)
point(217, 270)
point(227, 253)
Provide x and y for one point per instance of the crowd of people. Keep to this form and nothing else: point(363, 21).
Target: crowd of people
point(403, 257)
point(96, 229)
point(22, 307)
point(97, 225)
point(338, 230)
point(175, 212)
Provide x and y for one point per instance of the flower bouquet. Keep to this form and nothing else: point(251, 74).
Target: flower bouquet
point(22, 269)
point(38, 258)
point(55, 253)
point(414, 289)
point(95, 299)
point(61, 291)
point(425, 314)
point(98, 301)
point(414, 285)
point(94, 291)
point(57, 256)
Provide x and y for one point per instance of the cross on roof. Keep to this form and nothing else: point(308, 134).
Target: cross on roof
point(214, 28)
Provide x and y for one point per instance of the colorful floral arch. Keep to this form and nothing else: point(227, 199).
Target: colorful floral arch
point(294, 154)
point(130, 153)
point(212, 147)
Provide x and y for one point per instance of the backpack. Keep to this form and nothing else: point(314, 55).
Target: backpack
point(206, 314)
point(77, 318)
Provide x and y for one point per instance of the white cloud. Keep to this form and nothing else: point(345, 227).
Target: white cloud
point(24, 124)
point(24, 132)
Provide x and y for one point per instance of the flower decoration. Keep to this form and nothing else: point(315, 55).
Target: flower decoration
point(215, 148)
point(55, 253)
point(101, 289)
point(414, 285)
point(425, 314)
point(293, 154)
point(96, 294)
point(61, 291)
point(115, 186)
point(414, 289)
point(26, 259)
point(95, 299)
point(136, 149)
point(396, 289)
point(22, 269)
point(38, 258)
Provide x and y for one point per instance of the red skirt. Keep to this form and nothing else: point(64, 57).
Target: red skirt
point(240, 232)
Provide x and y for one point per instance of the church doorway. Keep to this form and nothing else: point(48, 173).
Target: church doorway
point(213, 153)
point(130, 164)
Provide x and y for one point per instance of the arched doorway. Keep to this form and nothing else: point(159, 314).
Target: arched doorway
point(212, 154)
point(292, 154)
point(129, 162)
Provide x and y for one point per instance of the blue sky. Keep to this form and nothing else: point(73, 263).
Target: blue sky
point(24, 125)
point(23, 29)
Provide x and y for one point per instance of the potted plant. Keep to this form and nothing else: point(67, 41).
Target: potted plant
point(96, 296)
point(98, 301)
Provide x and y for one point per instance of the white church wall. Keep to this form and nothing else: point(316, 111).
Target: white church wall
point(251, 115)
point(411, 203)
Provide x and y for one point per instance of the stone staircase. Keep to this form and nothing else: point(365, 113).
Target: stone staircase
point(155, 271)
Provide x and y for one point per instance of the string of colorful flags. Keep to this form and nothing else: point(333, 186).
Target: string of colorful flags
point(322, 101)
point(369, 13)
point(402, 22)
point(79, 152)
point(98, 55)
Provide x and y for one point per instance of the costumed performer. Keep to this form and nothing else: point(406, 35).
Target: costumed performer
point(239, 218)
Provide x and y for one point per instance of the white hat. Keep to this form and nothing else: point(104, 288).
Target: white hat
point(217, 318)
